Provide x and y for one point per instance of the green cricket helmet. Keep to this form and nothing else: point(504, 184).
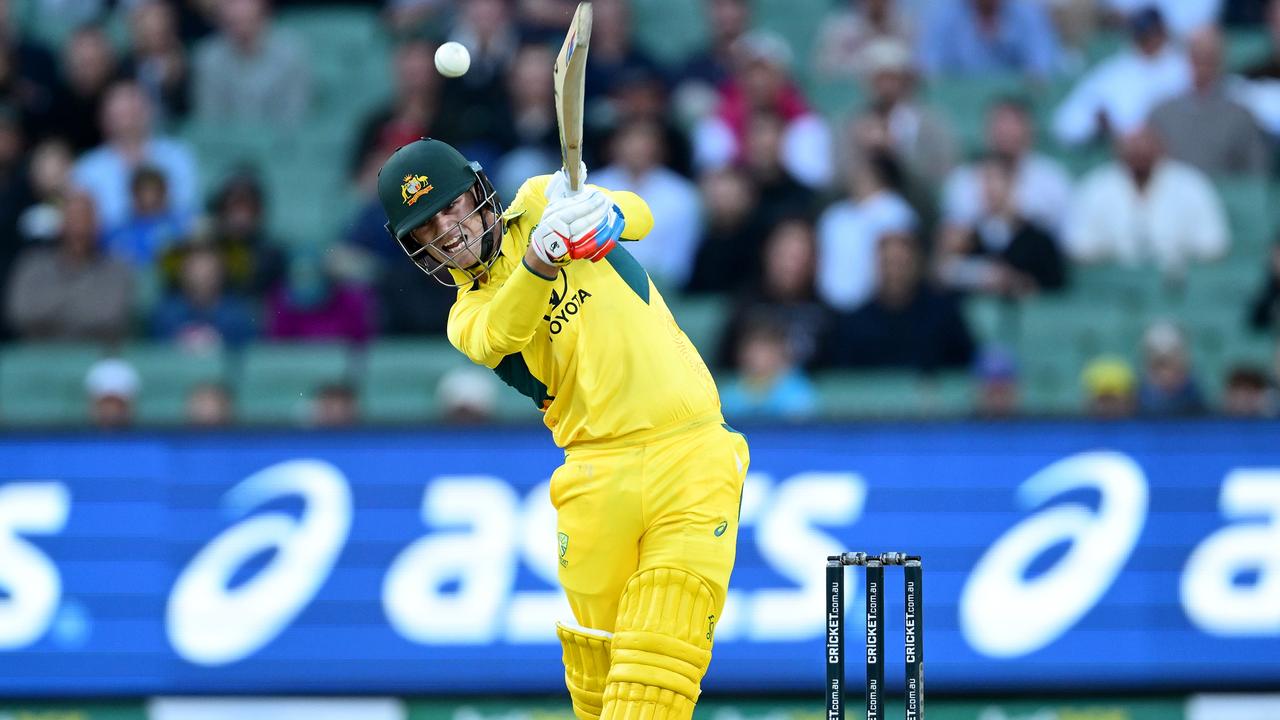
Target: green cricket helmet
point(423, 178)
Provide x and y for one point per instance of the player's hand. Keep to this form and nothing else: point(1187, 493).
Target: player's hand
point(595, 224)
point(558, 187)
point(550, 239)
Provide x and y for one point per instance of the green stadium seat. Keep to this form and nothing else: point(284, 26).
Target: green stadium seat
point(964, 101)
point(1076, 325)
point(951, 394)
point(1049, 383)
point(1227, 284)
point(992, 320)
point(277, 381)
point(401, 376)
point(168, 376)
point(670, 30)
point(844, 395)
point(1245, 46)
point(836, 99)
point(703, 319)
point(351, 70)
point(1126, 288)
point(44, 384)
point(799, 22)
point(514, 408)
point(1250, 214)
point(1103, 44)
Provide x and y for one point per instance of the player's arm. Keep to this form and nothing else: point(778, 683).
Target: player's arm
point(489, 324)
point(639, 219)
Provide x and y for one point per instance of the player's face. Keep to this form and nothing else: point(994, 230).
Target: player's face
point(454, 235)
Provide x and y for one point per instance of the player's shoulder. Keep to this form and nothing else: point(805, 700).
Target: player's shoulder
point(532, 195)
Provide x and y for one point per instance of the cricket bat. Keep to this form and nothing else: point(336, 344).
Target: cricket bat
point(570, 77)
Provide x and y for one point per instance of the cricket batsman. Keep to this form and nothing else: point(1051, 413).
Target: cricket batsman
point(647, 498)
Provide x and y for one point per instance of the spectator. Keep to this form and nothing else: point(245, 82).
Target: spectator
point(894, 122)
point(637, 165)
point(158, 59)
point(152, 224)
point(976, 37)
point(49, 177)
point(467, 395)
point(640, 93)
point(729, 255)
point(783, 297)
point(907, 324)
point(252, 261)
point(849, 231)
point(107, 170)
point(1167, 387)
point(728, 21)
point(16, 193)
point(250, 71)
point(848, 30)
point(415, 111)
point(1041, 185)
point(531, 89)
point(209, 406)
point(1146, 209)
point(71, 291)
point(769, 385)
point(1005, 253)
point(1264, 313)
point(406, 302)
point(996, 372)
point(334, 406)
point(1184, 17)
point(314, 305)
point(1076, 22)
point(779, 194)
point(1268, 68)
point(1109, 389)
point(112, 386)
point(1244, 13)
point(1206, 128)
point(761, 83)
point(1248, 394)
point(89, 65)
point(28, 76)
point(1115, 96)
point(544, 20)
point(1261, 93)
point(613, 54)
point(487, 28)
point(409, 17)
point(201, 313)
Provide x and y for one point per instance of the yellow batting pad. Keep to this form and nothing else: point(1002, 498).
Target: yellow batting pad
point(586, 666)
point(661, 647)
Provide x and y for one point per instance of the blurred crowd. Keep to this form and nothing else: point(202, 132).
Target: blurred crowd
point(842, 243)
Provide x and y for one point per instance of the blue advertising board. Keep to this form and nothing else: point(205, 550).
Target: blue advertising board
point(1058, 556)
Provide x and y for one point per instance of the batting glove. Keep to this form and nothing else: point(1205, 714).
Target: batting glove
point(550, 239)
point(595, 224)
point(558, 187)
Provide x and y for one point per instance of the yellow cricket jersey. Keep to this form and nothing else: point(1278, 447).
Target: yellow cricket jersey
point(596, 348)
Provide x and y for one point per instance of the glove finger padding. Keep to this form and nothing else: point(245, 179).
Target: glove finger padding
point(597, 240)
point(558, 187)
point(550, 239)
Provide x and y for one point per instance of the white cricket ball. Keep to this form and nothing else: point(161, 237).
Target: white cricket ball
point(452, 59)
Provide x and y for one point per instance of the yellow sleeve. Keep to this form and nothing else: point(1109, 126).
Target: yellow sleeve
point(487, 325)
point(639, 220)
point(531, 200)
